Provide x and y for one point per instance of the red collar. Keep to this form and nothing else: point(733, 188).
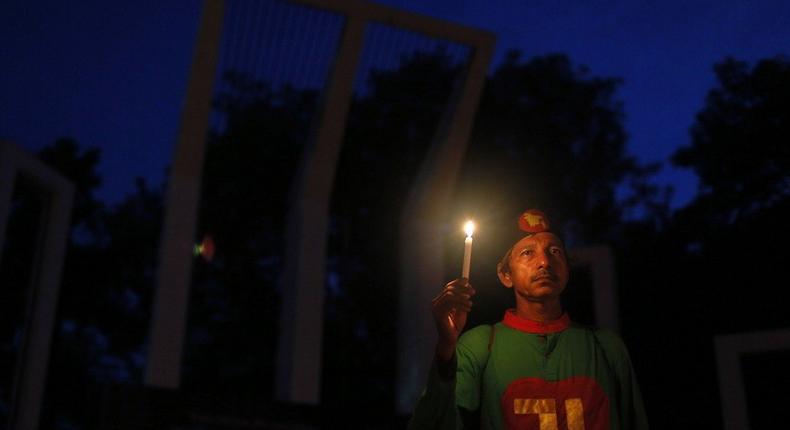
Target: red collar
point(528, 326)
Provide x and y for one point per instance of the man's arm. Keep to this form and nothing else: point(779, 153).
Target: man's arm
point(454, 386)
point(436, 407)
point(633, 408)
point(632, 413)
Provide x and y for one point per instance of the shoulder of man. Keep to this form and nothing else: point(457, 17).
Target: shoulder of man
point(614, 347)
point(609, 339)
point(476, 341)
point(632, 409)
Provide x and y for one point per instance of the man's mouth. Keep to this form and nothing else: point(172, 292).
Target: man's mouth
point(544, 276)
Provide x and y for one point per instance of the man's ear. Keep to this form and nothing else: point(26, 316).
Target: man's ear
point(504, 277)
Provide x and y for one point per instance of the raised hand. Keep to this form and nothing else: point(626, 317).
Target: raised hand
point(450, 309)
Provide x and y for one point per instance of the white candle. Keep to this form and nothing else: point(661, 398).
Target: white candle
point(469, 228)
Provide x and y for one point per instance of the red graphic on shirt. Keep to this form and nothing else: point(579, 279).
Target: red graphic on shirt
point(576, 403)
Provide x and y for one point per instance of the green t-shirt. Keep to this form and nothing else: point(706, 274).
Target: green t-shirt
point(527, 375)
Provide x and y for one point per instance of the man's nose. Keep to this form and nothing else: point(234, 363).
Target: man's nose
point(543, 258)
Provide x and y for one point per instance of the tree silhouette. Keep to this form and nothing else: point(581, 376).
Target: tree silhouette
point(739, 151)
point(712, 268)
point(65, 157)
point(550, 135)
point(249, 167)
point(105, 294)
point(739, 141)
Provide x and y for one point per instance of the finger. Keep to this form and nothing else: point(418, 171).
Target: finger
point(449, 307)
point(443, 296)
point(451, 302)
point(457, 281)
point(461, 290)
point(467, 307)
point(454, 295)
point(458, 286)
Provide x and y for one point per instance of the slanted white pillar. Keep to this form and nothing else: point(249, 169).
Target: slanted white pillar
point(299, 347)
point(299, 351)
point(168, 323)
point(33, 359)
point(730, 349)
point(427, 210)
point(600, 260)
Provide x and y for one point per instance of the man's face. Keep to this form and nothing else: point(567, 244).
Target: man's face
point(538, 268)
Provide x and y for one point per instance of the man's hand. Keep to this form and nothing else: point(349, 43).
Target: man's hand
point(450, 309)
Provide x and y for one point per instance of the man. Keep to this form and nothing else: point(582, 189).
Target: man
point(535, 369)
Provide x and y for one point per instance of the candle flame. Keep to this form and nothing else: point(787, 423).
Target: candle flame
point(469, 228)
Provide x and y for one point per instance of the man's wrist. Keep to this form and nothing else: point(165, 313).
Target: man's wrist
point(446, 368)
point(445, 351)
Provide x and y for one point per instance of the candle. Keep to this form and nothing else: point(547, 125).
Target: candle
point(469, 228)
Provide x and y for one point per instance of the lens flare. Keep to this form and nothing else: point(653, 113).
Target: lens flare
point(205, 249)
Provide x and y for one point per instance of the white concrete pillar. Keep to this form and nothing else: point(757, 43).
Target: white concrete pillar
point(299, 351)
point(427, 210)
point(30, 380)
point(168, 321)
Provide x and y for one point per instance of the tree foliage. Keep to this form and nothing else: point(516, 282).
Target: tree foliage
point(739, 140)
point(550, 135)
point(249, 166)
point(713, 268)
point(65, 156)
point(105, 294)
point(739, 151)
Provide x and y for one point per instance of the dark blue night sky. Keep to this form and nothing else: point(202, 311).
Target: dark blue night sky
point(113, 74)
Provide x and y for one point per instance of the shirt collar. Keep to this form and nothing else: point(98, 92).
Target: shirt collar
point(536, 327)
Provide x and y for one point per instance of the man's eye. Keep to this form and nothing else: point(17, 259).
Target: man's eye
point(527, 252)
point(556, 251)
